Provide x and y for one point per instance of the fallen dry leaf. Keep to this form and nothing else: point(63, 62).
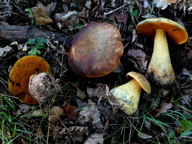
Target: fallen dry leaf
point(105, 110)
point(163, 3)
point(138, 57)
point(90, 114)
point(122, 17)
point(96, 138)
point(100, 91)
point(55, 113)
point(163, 108)
point(56, 110)
point(81, 94)
point(5, 50)
point(189, 54)
point(88, 4)
point(70, 112)
point(24, 108)
point(186, 99)
point(187, 72)
point(67, 18)
point(42, 13)
point(73, 130)
point(38, 112)
point(189, 9)
point(146, 4)
point(144, 135)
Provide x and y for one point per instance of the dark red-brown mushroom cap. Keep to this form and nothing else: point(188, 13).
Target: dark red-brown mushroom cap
point(96, 50)
point(20, 74)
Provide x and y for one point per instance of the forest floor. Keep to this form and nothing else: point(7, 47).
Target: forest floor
point(89, 117)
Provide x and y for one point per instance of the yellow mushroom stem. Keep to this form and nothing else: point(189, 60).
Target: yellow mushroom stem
point(127, 96)
point(160, 67)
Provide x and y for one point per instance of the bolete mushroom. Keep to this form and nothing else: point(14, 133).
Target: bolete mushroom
point(160, 67)
point(42, 87)
point(20, 74)
point(96, 50)
point(127, 95)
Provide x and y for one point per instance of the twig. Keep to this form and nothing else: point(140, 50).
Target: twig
point(112, 11)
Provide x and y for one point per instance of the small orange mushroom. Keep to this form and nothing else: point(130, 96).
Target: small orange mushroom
point(96, 50)
point(20, 74)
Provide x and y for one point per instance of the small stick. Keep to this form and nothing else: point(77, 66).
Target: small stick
point(23, 33)
point(112, 11)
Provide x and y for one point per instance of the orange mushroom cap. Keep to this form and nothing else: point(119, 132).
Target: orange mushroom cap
point(20, 74)
point(96, 50)
point(172, 28)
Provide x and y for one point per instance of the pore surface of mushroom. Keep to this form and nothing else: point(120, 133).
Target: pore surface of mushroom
point(127, 95)
point(20, 74)
point(96, 50)
point(160, 67)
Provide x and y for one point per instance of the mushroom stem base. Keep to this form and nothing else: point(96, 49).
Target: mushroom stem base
point(127, 96)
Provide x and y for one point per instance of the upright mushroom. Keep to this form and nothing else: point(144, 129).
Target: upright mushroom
point(160, 67)
point(20, 74)
point(127, 95)
point(96, 50)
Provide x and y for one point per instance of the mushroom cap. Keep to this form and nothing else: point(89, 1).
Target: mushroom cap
point(20, 74)
point(172, 28)
point(141, 80)
point(42, 87)
point(96, 50)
